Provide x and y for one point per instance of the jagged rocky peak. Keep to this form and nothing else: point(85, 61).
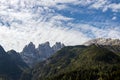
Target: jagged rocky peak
point(29, 54)
point(2, 50)
point(103, 41)
point(30, 47)
point(45, 49)
point(13, 52)
point(46, 44)
point(58, 46)
point(32, 55)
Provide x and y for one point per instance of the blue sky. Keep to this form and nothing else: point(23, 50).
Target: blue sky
point(71, 22)
point(83, 14)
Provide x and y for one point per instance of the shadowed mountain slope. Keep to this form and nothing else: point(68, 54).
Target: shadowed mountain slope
point(79, 63)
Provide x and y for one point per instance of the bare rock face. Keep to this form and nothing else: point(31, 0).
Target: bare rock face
point(57, 46)
point(29, 54)
point(44, 50)
point(32, 55)
point(103, 41)
point(29, 48)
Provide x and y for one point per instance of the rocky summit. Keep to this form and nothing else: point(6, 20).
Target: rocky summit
point(32, 55)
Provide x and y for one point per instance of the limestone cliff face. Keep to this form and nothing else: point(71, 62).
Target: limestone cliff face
point(32, 55)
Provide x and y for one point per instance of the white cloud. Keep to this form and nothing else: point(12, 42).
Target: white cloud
point(105, 5)
point(115, 7)
point(17, 37)
point(59, 17)
point(39, 24)
point(114, 18)
point(112, 32)
point(61, 6)
point(36, 21)
point(99, 4)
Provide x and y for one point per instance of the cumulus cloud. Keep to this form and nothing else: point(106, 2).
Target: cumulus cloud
point(115, 7)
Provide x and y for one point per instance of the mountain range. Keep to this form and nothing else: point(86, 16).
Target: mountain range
point(98, 60)
point(32, 55)
point(80, 63)
point(92, 62)
point(13, 64)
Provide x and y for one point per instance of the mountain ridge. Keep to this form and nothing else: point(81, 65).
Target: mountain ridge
point(103, 41)
point(91, 62)
point(80, 58)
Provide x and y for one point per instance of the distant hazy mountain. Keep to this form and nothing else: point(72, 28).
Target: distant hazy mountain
point(103, 41)
point(11, 65)
point(111, 44)
point(32, 55)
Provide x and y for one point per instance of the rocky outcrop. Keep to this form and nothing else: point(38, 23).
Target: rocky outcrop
point(32, 55)
point(57, 46)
